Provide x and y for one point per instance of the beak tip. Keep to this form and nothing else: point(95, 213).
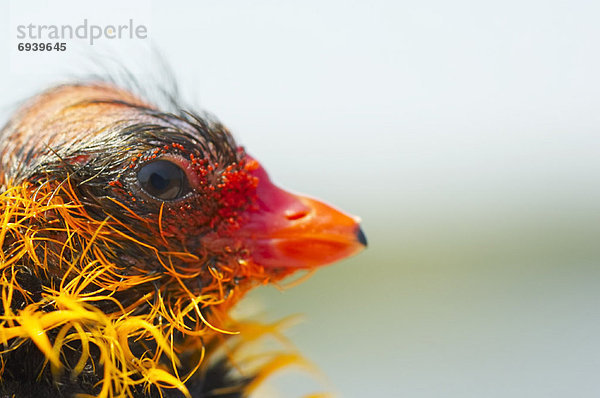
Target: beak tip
point(361, 237)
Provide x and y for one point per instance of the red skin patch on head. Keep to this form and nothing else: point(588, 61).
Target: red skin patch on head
point(219, 200)
point(79, 159)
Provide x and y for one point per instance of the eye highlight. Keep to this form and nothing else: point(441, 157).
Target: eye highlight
point(163, 179)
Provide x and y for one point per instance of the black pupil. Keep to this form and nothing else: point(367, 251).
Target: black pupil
point(162, 179)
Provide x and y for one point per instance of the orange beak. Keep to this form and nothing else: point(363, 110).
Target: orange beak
point(293, 231)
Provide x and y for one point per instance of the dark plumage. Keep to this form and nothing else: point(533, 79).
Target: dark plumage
point(128, 233)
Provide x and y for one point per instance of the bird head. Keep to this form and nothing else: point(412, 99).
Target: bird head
point(145, 224)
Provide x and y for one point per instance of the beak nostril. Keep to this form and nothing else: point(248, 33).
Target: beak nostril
point(296, 215)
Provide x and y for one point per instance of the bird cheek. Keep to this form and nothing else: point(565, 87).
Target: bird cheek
point(285, 230)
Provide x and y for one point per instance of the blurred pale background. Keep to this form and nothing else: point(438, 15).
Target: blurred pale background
point(465, 134)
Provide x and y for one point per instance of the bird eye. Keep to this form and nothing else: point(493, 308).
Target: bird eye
point(162, 179)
